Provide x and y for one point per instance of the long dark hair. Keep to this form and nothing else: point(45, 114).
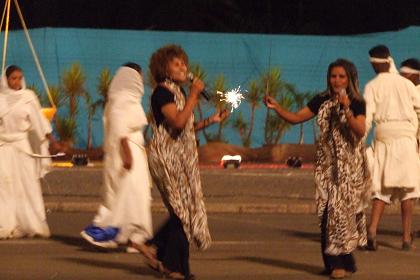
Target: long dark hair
point(352, 76)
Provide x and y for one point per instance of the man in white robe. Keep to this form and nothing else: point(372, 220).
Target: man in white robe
point(393, 104)
point(125, 215)
point(410, 69)
point(23, 132)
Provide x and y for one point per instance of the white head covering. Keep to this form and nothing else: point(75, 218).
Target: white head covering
point(389, 59)
point(9, 96)
point(128, 84)
point(409, 70)
point(123, 110)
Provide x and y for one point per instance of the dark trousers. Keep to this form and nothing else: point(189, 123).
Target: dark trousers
point(172, 246)
point(345, 261)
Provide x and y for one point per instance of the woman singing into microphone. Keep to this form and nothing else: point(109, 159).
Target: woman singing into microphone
point(341, 174)
point(173, 162)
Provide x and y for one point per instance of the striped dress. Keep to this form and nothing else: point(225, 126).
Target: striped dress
point(173, 162)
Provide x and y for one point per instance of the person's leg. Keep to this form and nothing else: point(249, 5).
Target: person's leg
point(176, 255)
point(325, 257)
point(378, 207)
point(154, 249)
point(376, 214)
point(406, 215)
point(349, 263)
point(338, 267)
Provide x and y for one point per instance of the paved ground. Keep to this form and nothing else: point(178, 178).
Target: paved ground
point(257, 247)
point(244, 190)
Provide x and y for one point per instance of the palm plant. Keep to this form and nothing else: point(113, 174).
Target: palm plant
point(242, 127)
point(254, 98)
point(104, 81)
point(299, 101)
point(66, 129)
point(73, 84)
point(91, 111)
point(219, 84)
point(275, 126)
point(271, 84)
point(57, 97)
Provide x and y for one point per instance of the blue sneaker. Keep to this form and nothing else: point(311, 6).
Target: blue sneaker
point(101, 237)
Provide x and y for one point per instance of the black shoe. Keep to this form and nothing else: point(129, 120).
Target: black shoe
point(372, 244)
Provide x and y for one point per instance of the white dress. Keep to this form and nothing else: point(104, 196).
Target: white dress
point(22, 132)
point(127, 193)
point(393, 104)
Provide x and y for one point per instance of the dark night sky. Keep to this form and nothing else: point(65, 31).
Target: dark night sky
point(258, 16)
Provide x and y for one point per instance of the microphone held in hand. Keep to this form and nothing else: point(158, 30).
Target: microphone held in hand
point(204, 92)
point(343, 92)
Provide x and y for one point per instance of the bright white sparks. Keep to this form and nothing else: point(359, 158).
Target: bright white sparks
point(233, 97)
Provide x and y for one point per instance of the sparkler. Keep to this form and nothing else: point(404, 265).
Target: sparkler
point(233, 97)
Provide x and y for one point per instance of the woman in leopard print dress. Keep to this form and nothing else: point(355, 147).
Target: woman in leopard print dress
point(341, 174)
point(173, 162)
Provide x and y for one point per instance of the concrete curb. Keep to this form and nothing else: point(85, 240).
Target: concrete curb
point(293, 207)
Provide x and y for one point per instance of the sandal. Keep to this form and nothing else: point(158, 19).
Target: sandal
point(149, 254)
point(408, 245)
point(175, 275)
point(338, 273)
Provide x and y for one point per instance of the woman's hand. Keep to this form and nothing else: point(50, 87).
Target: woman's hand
point(197, 86)
point(219, 116)
point(344, 99)
point(270, 102)
point(54, 146)
point(126, 156)
point(300, 116)
point(127, 161)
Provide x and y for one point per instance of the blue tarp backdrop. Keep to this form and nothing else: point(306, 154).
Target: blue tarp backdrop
point(303, 61)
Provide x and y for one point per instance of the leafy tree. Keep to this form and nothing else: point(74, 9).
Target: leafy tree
point(242, 127)
point(104, 81)
point(219, 84)
point(73, 85)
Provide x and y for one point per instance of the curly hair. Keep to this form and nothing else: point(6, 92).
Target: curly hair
point(353, 78)
point(160, 59)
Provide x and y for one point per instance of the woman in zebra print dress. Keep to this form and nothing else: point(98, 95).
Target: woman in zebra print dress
point(173, 162)
point(341, 171)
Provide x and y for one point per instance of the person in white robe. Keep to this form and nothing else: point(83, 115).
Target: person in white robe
point(24, 139)
point(393, 104)
point(410, 69)
point(125, 214)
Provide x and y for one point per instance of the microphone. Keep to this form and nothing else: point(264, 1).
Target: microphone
point(343, 92)
point(204, 92)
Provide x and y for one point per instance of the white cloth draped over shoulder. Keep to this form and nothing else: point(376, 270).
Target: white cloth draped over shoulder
point(127, 194)
point(393, 104)
point(23, 131)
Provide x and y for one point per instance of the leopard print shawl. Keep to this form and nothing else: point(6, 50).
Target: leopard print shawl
point(173, 161)
point(341, 179)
